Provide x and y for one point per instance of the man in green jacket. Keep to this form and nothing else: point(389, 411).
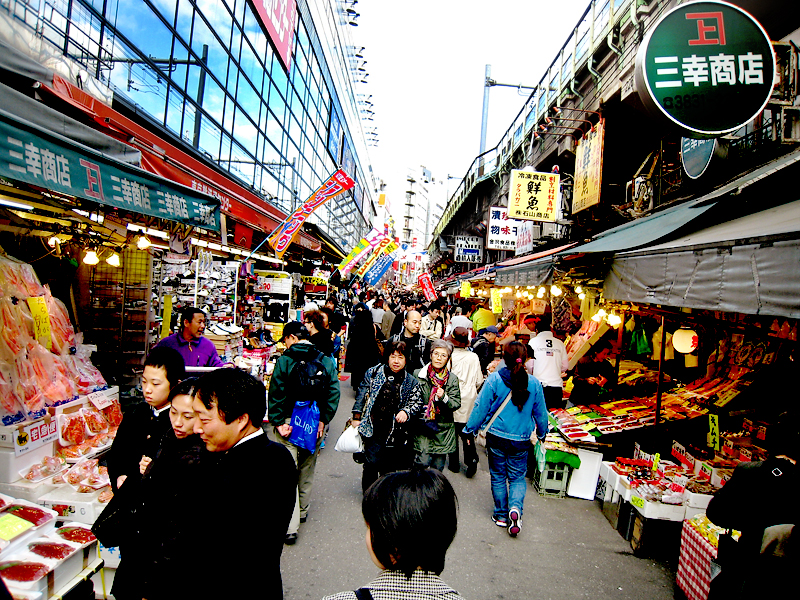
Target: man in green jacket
point(287, 387)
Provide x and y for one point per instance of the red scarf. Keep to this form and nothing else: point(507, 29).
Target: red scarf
point(439, 380)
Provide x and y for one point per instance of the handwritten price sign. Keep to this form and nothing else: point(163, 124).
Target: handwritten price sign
point(41, 321)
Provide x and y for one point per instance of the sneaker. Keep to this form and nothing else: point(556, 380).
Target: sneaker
point(291, 539)
point(500, 522)
point(515, 516)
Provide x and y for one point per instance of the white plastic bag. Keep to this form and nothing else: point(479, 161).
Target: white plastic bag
point(350, 441)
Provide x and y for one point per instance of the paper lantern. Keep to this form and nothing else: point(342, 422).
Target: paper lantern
point(685, 340)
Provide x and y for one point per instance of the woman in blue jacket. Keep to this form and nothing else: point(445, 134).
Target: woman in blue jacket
point(508, 438)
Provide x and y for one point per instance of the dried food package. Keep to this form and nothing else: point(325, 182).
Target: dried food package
point(14, 336)
point(71, 429)
point(28, 388)
point(55, 387)
point(95, 421)
point(12, 409)
point(62, 332)
point(113, 413)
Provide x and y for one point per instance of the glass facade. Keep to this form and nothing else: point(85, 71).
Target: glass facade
point(205, 71)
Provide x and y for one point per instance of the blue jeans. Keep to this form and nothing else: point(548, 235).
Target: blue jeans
point(508, 464)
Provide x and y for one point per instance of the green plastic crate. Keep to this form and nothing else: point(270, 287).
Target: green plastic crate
point(553, 481)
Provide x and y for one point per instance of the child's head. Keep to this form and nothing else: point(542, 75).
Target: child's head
point(411, 519)
point(163, 369)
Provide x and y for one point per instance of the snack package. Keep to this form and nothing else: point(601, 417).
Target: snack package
point(95, 421)
point(71, 429)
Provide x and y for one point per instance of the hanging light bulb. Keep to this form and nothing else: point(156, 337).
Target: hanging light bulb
point(614, 320)
point(581, 296)
point(91, 258)
point(143, 243)
point(113, 260)
point(540, 293)
point(519, 294)
point(602, 313)
point(579, 291)
point(555, 290)
point(53, 242)
point(596, 317)
point(685, 340)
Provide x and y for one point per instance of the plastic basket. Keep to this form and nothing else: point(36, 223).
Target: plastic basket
point(553, 481)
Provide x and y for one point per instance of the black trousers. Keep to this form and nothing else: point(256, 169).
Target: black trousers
point(379, 460)
point(554, 397)
point(468, 443)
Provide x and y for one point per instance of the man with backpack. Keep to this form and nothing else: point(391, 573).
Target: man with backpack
point(303, 398)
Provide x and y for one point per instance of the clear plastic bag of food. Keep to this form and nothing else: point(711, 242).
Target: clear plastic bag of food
point(95, 421)
point(71, 429)
point(12, 409)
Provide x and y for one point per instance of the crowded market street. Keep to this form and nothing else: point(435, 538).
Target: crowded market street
point(567, 549)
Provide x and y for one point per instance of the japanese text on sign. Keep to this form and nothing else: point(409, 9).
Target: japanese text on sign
point(41, 321)
point(502, 232)
point(533, 196)
point(588, 169)
point(469, 249)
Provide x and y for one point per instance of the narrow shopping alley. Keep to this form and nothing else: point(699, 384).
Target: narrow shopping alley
point(567, 549)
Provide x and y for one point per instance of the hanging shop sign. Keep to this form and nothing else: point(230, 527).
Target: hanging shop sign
point(533, 196)
point(502, 232)
point(588, 169)
point(278, 19)
point(466, 289)
point(525, 232)
point(273, 282)
point(427, 287)
point(706, 66)
point(469, 249)
point(338, 183)
point(49, 161)
point(696, 156)
point(497, 301)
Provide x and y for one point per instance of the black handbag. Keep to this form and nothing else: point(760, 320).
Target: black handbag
point(116, 524)
point(398, 438)
point(427, 428)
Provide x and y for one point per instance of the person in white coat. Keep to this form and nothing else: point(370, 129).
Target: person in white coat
point(467, 367)
point(549, 361)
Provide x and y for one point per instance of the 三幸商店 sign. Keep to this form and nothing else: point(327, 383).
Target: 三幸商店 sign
point(706, 66)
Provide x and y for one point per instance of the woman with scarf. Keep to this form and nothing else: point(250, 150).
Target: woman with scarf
point(387, 399)
point(510, 408)
point(436, 431)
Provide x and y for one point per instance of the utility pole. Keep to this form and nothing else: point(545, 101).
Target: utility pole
point(488, 83)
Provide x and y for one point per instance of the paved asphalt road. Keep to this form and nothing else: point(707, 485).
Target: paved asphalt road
point(566, 550)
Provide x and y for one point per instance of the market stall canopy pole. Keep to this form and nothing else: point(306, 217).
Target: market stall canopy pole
point(661, 370)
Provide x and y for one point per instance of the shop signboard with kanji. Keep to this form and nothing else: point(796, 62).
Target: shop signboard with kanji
point(533, 196)
point(588, 169)
point(469, 249)
point(502, 231)
point(706, 66)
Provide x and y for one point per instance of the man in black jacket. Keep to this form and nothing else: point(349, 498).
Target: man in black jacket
point(247, 494)
point(284, 391)
point(484, 346)
point(420, 346)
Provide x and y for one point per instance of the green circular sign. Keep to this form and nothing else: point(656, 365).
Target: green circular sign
point(696, 155)
point(706, 66)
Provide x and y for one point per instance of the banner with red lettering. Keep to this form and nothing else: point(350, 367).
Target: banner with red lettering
point(336, 184)
point(427, 287)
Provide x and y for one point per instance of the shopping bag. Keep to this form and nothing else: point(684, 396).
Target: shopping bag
point(349, 441)
point(305, 423)
point(115, 526)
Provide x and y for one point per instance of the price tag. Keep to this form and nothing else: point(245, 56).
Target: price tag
point(41, 321)
point(713, 431)
point(588, 426)
point(656, 460)
point(574, 410)
point(12, 525)
point(582, 418)
point(466, 289)
point(637, 502)
point(100, 400)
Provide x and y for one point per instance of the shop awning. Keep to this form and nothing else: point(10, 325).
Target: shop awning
point(533, 269)
point(749, 265)
point(519, 260)
point(34, 155)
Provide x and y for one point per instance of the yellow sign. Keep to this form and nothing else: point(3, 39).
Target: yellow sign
point(167, 316)
point(637, 502)
point(533, 196)
point(466, 289)
point(313, 280)
point(497, 301)
point(588, 170)
point(656, 460)
point(713, 431)
point(381, 199)
point(12, 525)
point(41, 321)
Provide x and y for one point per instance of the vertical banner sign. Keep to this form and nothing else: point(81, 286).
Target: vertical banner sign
point(385, 246)
point(351, 257)
point(534, 196)
point(166, 315)
point(502, 231)
point(378, 269)
point(497, 301)
point(588, 169)
point(336, 184)
point(466, 289)
point(278, 18)
point(524, 237)
point(713, 431)
point(427, 286)
point(707, 67)
point(41, 321)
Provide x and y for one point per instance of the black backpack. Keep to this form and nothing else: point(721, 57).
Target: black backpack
point(310, 377)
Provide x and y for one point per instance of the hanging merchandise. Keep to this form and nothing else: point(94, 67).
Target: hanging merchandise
point(639, 344)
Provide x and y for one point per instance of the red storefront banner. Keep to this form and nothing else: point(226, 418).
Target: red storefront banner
point(336, 184)
point(160, 157)
point(278, 18)
point(427, 287)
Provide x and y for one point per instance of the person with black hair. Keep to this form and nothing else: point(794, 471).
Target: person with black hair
point(388, 397)
point(196, 350)
point(363, 351)
point(760, 500)
point(169, 478)
point(243, 507)
point(510, 408)
point(593, 376)
point(139, 434)
point(319, 335)
point(420, 346)
point(411, 518)
point(549, 361)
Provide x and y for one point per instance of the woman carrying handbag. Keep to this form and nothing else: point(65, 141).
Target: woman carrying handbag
point(509, 409)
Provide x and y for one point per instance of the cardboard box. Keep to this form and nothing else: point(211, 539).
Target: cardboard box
point(588, 344)
point(11, 464)
point(72, 505)
point(656, 538)
point(697, 500)
point(27, 490)
point(692, 512)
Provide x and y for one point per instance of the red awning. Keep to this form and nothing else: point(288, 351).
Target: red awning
point(162, 158)
point(518, 260)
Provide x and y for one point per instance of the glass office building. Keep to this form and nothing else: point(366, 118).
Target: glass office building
point(204, 72)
